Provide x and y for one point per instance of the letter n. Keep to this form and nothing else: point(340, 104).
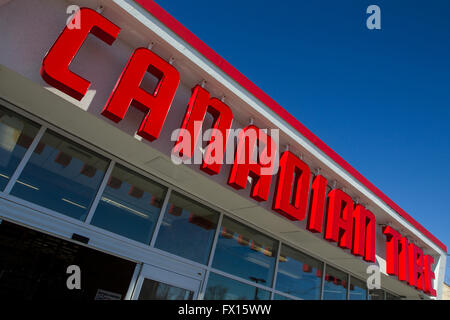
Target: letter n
point(339, 226)
point(364, 233)
point(200, 103)
point(127, 91)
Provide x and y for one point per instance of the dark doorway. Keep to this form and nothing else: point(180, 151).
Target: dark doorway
point(33, 266)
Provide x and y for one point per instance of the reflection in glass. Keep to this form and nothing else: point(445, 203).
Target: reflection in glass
point(335, 286)
point(16, 136)
point(390, 296)
point(358, 289)
point(245, 252)
point(61, 175)
point(298, 274)
point(130, 205)
point(223, 288)
point(154, 290)
point(376, 294)
point(187, 229)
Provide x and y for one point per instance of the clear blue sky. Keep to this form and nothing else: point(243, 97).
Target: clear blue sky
point(379, 98)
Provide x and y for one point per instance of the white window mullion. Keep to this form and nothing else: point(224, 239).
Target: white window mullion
point(275, 270)
point(348, 286)
point(322, 286)
point(133, 282)
point(24, 160)
point(100, 191)
point(161, 217)
point(211, 257)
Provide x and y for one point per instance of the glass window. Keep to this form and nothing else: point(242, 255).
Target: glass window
point(187, 229)
point(154, 290)
point(298, 274)
point(16, 135)
point(61, 175)
point(358, 289)
point(245, 252)
point(130, 205)
point(390, 296)
point(335, 286)
point(376, 294)
point(223, 288)
point(280, 297)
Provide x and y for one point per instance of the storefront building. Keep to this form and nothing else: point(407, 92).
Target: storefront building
point(89, 108)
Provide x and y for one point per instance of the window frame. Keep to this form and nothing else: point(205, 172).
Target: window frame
point(62, 225)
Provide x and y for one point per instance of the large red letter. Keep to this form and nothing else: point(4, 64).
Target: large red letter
point(127, 92)
point(428, 275)
point(293, 173)
point(339, 227)
point(55, 66)
point(244, 165)
point(392, 241)
point(364, 233)
point(200, 103)
point(317, 204)
point(416, 266)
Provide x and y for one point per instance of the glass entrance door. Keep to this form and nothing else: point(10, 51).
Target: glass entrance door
point(155, 283)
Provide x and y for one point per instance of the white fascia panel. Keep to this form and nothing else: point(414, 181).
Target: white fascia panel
point(207, 66)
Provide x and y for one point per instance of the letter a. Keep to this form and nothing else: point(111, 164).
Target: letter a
point(74, 280)
point(374, 21)
point(374, 280)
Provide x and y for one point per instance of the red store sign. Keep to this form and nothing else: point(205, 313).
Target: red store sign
point(351, 226)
